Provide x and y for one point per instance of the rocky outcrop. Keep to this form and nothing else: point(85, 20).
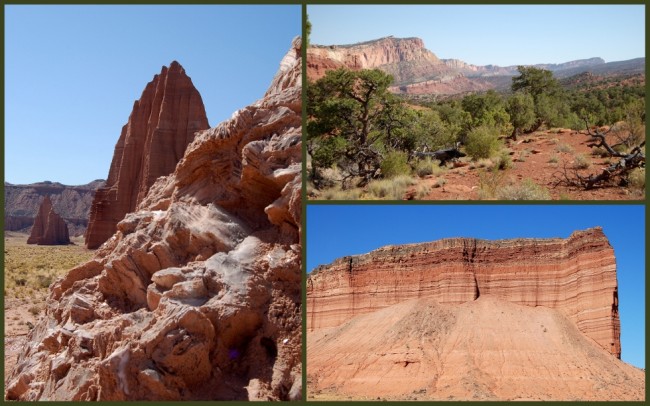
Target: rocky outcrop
point(575, 275)
point(49, 228)
point(70, 202)
point(197, 295)
point(162, 124)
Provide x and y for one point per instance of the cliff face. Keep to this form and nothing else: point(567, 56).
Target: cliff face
point(49, 228)
point(163, 122)
point(405, 58)
point(197, 296)
point(70, 202)
point(575, 275)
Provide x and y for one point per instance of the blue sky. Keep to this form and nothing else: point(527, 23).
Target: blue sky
point(334, 231)
point(492, 34)
point(72, 74)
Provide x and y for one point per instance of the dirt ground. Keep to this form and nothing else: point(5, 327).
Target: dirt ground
point(24, 303)
point(539, 156)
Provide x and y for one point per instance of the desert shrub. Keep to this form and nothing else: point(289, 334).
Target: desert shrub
point(526, 190)
point(566, 148)
point(503, 161)
point(482, 142)
point(553, 159)
point(35, 310)
point(489, 182)
point(390, 189)
point(599, 151)
point(395, 164)
point(428, 166)
point(422, 191)
point(636, 179)
point(581, 162)
point(440, 182)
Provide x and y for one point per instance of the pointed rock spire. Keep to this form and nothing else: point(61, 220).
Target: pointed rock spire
point(161, 126)
point(49, 228)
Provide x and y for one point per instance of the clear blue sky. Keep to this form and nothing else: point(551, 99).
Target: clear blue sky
point(334, 231)
point(492, 34)
point(72, 74)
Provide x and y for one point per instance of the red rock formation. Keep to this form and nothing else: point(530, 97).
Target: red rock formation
point(576, 275)
point(467, 319)
point(163, 122)
point(405, 58)
point(197, 296)
point(49, 228)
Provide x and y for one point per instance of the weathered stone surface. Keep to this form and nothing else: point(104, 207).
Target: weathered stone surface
point(72, 203)
point(163, 122)
point(49, 228)
point(576, 275)
point(197, 295)
point(468, 319)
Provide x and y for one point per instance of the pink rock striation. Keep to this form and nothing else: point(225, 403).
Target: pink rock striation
point(162, 124)
point(576, 275)
point(49, 228)
point(197, 296)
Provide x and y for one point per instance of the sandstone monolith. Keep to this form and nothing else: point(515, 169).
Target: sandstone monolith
point(49, 228)
point(163, 122)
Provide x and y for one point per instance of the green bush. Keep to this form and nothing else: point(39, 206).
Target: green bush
point(482, 142)
point(636, 179)
point(395, 164)
point(526, 190)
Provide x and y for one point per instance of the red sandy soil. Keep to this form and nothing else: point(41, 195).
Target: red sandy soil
point(487, 349)
point(536, 149)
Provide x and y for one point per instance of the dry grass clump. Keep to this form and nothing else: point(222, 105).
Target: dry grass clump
point(581, 162)
point(428, 166)
point(526, 190)
point(390, 189)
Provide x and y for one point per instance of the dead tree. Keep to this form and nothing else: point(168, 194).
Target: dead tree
point(617, 172)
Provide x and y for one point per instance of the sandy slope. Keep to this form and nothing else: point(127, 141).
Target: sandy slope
point(482, 350)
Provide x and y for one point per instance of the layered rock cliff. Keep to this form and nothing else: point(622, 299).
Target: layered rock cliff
point(49, 228)
point(576, 275)
point(197, 295)
point(70, 202)
point(163, 122)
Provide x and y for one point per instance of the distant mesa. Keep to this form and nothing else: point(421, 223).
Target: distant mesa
point(469, 319)
point(49, 228)
point(416, 70)
point(71, 202)
point(162, 124)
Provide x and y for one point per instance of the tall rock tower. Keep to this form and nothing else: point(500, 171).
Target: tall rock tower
point(163, 122)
